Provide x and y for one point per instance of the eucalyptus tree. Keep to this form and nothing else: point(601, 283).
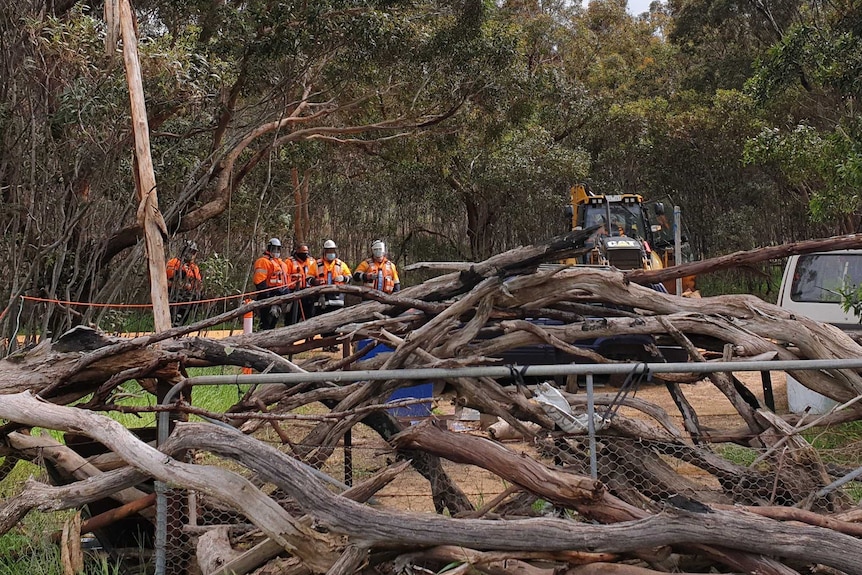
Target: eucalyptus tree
point(495, 175)
point(671, 119)
point(742, 130)
point(809, 83)
point(236, 91)
point(721, 39)
point(504, 162)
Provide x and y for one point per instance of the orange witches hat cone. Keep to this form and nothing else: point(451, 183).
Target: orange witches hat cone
point(247, 327)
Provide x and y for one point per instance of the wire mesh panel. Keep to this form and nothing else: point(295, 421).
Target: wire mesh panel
point(649, 465)
point(178, 552)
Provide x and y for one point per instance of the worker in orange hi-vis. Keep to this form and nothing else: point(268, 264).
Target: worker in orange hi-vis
point(378, 271)
point(185, 283)
point(270, 278)
point(331, 271)
point(302, 273)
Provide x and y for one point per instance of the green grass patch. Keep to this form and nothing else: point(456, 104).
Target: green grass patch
point(43, 557)
point(26, 549)
point(840, 444)
point(738, 454)
point(12, 483)
point(215, 398)
point(836, 436)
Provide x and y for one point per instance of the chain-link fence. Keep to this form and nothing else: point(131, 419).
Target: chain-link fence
point(634, 459)
point(645, 473)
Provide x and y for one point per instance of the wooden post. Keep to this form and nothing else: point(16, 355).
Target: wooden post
point(149, 216)
point(153, 225)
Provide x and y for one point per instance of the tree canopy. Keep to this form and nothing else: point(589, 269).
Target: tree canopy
point(451, 129)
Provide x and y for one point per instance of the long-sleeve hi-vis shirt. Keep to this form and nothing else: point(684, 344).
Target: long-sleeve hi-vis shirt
point(328, 273)
point(381, 275)
point(183, 276)
point(270, 274)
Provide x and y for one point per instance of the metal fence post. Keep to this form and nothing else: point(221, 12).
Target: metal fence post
point(163, 424)
point(677, 244)
point(591, 427)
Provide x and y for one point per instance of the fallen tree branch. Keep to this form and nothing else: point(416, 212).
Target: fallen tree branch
point(311, 547)
point(388, 529)
point(745, 258)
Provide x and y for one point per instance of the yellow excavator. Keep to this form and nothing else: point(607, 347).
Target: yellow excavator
point(629, 233)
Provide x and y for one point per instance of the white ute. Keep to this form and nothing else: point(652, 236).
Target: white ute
point(812, 286)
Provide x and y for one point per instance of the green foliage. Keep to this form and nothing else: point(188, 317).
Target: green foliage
point(829, 162)
point(851, 300)
point(817, 63)
point(720, 40)
point(218, 273)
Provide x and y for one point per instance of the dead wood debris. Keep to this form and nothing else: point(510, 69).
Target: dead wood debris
point(639, 516)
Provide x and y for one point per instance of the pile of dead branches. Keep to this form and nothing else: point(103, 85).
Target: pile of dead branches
point(467, 318)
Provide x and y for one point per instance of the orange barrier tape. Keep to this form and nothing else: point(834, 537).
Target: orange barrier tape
point(138, 305)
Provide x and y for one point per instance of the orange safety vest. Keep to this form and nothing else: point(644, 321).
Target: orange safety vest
point(328, 271)
point(385, 274)
point(271, 270)
point(187, 272)
point(299, 272)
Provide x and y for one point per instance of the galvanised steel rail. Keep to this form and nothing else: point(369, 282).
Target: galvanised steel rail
point(525, 370)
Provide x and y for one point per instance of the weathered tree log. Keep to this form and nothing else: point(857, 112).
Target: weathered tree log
point(793, 514)
point(746, 485)
point(307, 544)
point(745, 322)
point(72, 465)
point(587, 496)
point(745, 258)
point(37, 495)
point(456, 311)
point(71, 555)
point(376, 528)
point(613, 569)
point(373, 528)
point(267, 549)
point(494, 562)
point(214, 550)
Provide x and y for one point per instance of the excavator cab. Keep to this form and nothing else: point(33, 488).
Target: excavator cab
point(622, 233)
point(640, 234)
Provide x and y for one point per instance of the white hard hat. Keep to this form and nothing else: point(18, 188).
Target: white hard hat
point(329, 245)
point(275, 242)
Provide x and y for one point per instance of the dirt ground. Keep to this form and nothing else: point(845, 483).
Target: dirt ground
point(713, 408)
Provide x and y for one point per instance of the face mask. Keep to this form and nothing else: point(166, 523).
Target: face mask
point(378, 252)
point(330, 257)
point(302, 256)
point(275, 252)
